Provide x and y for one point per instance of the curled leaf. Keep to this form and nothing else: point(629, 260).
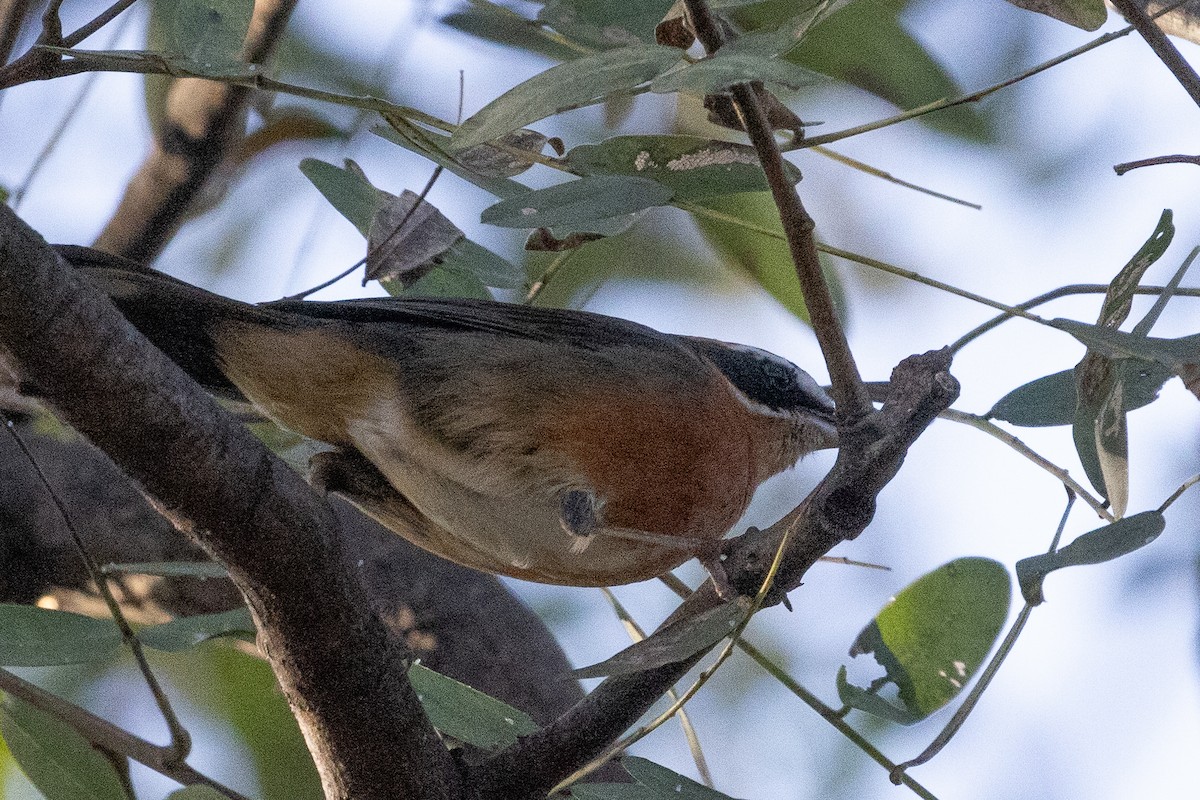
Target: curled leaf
point(1094, 547)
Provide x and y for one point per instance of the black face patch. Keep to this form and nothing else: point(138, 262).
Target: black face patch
point(765, 378)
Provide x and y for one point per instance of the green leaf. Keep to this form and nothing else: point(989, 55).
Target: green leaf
point(347, 190)
point(484, 265)
point(669, 782)
point(169, 569)
point(933, 636)
point(1094, 547)
point(466, 714)
point(435, 147)
point(677, 642)
point(654, 782)
point(208, 33)
point(38, 637)
point(764, 258)
point(780, 38)
point(578, 202)
point(1086, 14)
point(723, 70)
point(613, 23)
point(865, 45)
point(1051, 401)
point(56, 759)
point(693, 167)
point(445, 282)
point(865, 700)
point(185, 632)
point(580, 81)
point(1171, 353)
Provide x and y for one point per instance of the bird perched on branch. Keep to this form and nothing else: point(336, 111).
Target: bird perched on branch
point(553, 445)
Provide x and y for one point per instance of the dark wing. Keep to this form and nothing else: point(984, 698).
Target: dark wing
point(563, 326)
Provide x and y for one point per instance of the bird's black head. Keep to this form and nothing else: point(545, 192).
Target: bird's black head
point(766, 382)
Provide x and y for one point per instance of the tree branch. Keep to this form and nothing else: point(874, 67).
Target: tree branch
point(1163, 47)
point(344, 678)
point(838, 509)
point(847, 389)
point(204, 119)
point(103, 734)
point(12, 17)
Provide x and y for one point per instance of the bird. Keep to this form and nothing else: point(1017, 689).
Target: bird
point(552, 445)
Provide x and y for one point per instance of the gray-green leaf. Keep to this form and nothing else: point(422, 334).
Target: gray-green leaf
point(1094, 547)
point(37, 637)
point(727, 68)
point(347, 190)
point(55, 758)
point(692, 166)
point(468, 714)
point(1051, 401)
point(209, 33)
point(577, 202)
point(566, 85)
point(1086, 14)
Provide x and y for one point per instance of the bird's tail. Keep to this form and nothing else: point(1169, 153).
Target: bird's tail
point(178, 318)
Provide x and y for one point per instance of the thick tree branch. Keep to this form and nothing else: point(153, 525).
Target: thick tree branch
point(344, 678)
point(433, 605)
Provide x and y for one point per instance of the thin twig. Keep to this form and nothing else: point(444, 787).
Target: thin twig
point(637, 634)
point(73, 108)
point(181, 740)
point(974, 97)
point(1055, 294)
point(539, 284)
point(103, 18)
point(107, 736)
point(1162, 46)
point(1183, 487)
point(1126, 166)
point(854, 163)
point(996, 432)
point(866, 261)
point(848, 392)
point(985, 678)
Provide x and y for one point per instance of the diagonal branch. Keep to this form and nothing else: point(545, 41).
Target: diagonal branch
point(204, 120)
point(344, 677)
point(838, 509)
point(848, 391)
point(1163, 47)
